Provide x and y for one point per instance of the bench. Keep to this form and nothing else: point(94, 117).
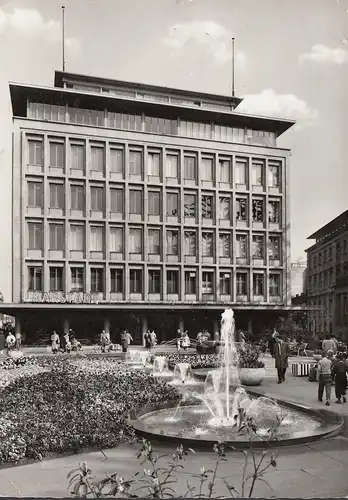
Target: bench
point(301, 369)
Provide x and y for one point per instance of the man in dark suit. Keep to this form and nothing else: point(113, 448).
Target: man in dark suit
point(281, 356)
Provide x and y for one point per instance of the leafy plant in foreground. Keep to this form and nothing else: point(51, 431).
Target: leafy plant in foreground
point(160, 471)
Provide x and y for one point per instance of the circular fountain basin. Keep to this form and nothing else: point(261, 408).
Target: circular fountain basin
point(193, 425)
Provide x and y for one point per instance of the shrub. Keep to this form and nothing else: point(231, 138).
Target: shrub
point(249, 356)
point(72, 404)
point(195, 360)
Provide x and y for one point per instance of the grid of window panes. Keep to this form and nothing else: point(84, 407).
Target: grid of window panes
point(182, 227)
point(151, 124)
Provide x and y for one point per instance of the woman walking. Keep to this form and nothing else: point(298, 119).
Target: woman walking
point(2, 342)
point(55, 342)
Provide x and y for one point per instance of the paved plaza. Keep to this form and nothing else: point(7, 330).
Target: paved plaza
point(318, 469)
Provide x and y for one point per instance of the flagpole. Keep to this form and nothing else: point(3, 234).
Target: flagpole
point(233, 76)
point(63, 36)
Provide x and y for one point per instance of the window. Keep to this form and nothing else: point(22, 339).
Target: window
point(207, 207)
point(257, 210)
point(207, 169)
point(274, 285)
point(35, 236)
point(274, 212)
point(135, 162)
point(225, 283)
point(154, 281)
point(190, 167)
point(56, 279)
point(35, 152)
point(135, 240)
point(35, 279)
point(172, 242)
point(97, 199)
point(241, 250)
point(57, 237)
point(190, 243)
point(116, 280)
point(273, 175)
point(97, 158)
point(135, 202)
point(154, 202)
point(77, 279)
point(116, 200)
point(190, 205)
point(153, 164)
point(241, 171)
point(135, 281)
point(257, 173)
point(225, 208)
point(207, 282)
point(116, 239)
point(241, 209)
point(190, 283)
point(258, 284)
point(154, 241)
point(57, 197)
point(116, 161)
point(57, 154)
point(77, 198)
point(172, 204)
point(225, 170)
point(97, 280)
point(258, 247)
point(172, 166)
point(96, 243)
point(207, 245)
point(172, 282)
point(35, 198)
point(224, 245)
point(77, 156)
point(77, 235)
point(274, 247)
point(242, 288)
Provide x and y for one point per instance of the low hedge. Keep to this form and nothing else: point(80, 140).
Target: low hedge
point(195, 360)
point(70, 404)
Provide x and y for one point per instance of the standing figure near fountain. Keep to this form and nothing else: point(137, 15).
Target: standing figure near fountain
point(153, 338)
point(126, 339)
point(147, 338)
point(185, 341)
point(281, 356)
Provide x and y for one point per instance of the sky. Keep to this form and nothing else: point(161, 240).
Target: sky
point(291, 62)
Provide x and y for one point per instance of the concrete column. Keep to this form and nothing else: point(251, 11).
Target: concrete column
point(107, 325)
point(216, 330)
point(143, 329)
point(66, 326)
point(18, 325)
point(181, 325)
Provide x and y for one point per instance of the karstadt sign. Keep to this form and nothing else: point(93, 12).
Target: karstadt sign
point(63, 298)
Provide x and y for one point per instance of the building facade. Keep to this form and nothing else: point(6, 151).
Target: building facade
point(327, 265)
point(298, 278)
point(137, 206)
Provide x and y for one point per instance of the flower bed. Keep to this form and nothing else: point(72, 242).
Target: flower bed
point(195, 360)
point(54, 405)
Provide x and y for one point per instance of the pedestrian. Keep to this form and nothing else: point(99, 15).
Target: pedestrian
point(325, 377)
point(103, 341)
point(185, 341)
point(2, 342)
point(126, 339)
point(147, 338)
point(178, 340)
point(67, 343)
point(10, 342)
point(328, 344)
point(18, 340)
point(272, 341)
point(339, 375)
point(153, 338)
point(281, 357)
point(55, 342)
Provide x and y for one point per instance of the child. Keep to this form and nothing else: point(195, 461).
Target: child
point(325, 377)
point(339, 372)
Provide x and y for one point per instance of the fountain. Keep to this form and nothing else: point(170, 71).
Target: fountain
point(215, 414)
point(136, 358)
point(183, 376)
point(160, 367)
